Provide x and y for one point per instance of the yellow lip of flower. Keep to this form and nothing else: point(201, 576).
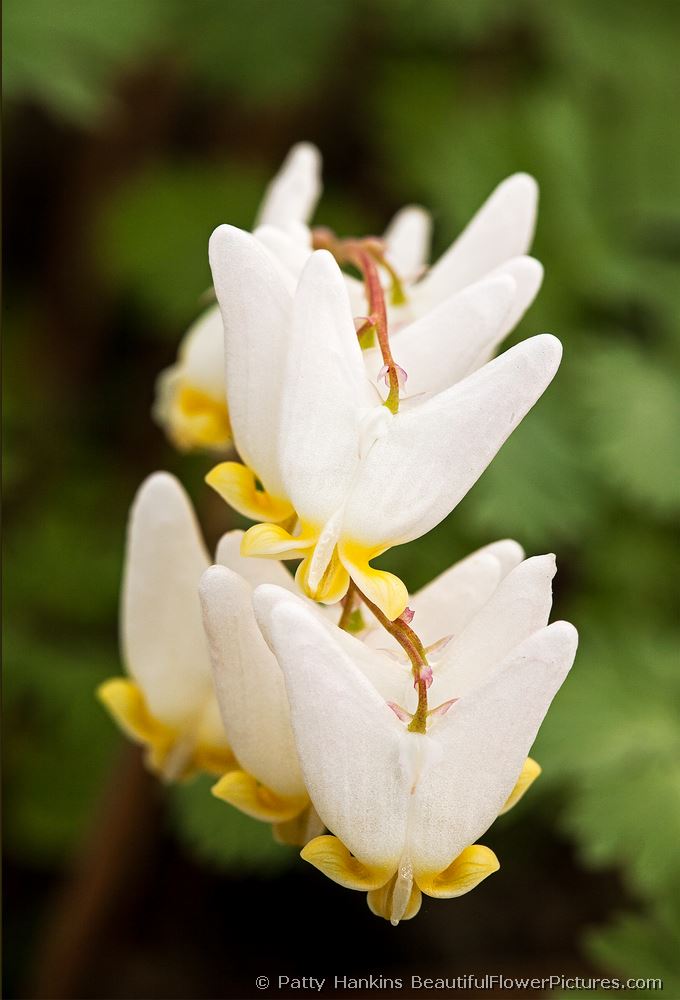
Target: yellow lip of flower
point(198, 420)
point(238, 485)
point(170, 753)
point(325, 577)
point(396, 895)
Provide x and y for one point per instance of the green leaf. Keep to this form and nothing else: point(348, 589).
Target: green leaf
point(634, 412)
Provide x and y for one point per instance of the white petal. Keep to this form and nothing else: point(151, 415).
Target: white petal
point(254, 571)
point(325, 391)
point(249, 685)
point(292, 252)
point(391, 678)
point(508, 552)
point(519, 607)
point(485, 738)
point(162, 635)
point(443, 346)
point(256, 311)
point(527, 273)
point(202, 354)
point(293, 193)
point(502, 228)
point(447, 603)
point(431, 455)
point(408, 240)
point(350, 744)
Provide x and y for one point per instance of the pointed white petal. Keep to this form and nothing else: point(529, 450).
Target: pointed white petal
point(325, 390)
point(256, 311)
point(446, 604)
point(408, 240)
point(162, 636)
point(254, 571)
point(431, 455)
point(508, 552)
point(293, 193)
point(502, 228)
point(527, 273)
point(249, 685)
point(391, 678)
point(519, 607)
point(484, 739)
point(291, 250)
point(351, 745)
point(443, 346)
point(202, 354)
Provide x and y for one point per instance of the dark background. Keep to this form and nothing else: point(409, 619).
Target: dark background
point(133, 127)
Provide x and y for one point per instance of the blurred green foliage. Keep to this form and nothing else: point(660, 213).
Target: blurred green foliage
point(432, 102)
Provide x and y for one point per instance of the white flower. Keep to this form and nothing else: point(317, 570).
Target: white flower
point(405, 809)
point(168, 704)
point(319, 449)
point(267, 783)
point(460, 310)
point(191, 405)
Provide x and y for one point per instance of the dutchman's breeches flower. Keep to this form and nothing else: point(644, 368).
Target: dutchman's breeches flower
point(342, 479)
point(405, 808)
point(168, 704)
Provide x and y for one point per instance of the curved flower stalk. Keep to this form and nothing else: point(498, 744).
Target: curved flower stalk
point(168, 703)
point(343, 479)
point(406, 808)
point(191, 404)
point(267, 784)
point(495, 241)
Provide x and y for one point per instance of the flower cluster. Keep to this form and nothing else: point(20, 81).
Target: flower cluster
point(382, 732)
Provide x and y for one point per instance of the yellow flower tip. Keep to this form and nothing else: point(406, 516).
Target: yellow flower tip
point(238, 486)
point(273, 541)
point(471, 867)
point(530, 771)
point(331, 857)
point(196, 420)
point(381, 902)
point(246, 793)
point(331, 587)
point(214, 760)
point(170, 754)
point(382, 588)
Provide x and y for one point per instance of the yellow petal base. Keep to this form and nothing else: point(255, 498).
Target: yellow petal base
point(273, 541)
point(331, 857)
point(383, 588)
point(195, 419)
point(237, 484)
point(382, 903)
point(167, 752)
point(332, 586)
point(246, 793)
point(528, 775)
point(471, 866)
